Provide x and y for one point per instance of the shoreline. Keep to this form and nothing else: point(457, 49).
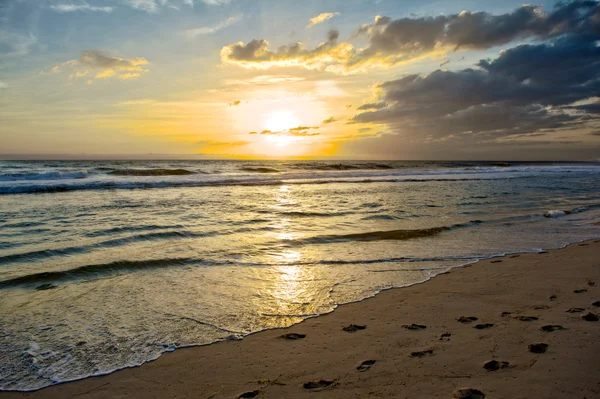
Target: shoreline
point(268, 366)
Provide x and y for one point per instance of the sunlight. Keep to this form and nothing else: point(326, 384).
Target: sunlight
point(281, 140)
point(282, 120)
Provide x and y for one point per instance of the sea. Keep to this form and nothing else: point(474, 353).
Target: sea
point(109, 264)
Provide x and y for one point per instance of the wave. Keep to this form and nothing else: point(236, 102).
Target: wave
point(97, 270)
point(151, 178)
point(343, 166)
point(138, 185)
point(47, 280)
point(400, 235)
point(151, 172)
point(79, 249)
point(259, 169)
point(54, 175)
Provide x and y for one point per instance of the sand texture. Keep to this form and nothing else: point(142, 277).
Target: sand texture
point(534, 337)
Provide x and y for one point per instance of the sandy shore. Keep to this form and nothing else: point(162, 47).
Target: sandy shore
point(545, 286)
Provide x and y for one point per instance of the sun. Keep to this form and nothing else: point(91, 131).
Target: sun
point(281, 120)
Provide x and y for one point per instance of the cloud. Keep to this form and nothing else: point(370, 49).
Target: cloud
point(64, 8)
point(144, 5)
point(300, 131)
point(391, 42)
point(216, 2)
point(328, 55)
point(329, 120)
point(526, 89)
point(154, 6)
point(321, 18)
point(103, 66)
point(299, 128)
point(235, 103)
point(372, 106)
point(207, 30)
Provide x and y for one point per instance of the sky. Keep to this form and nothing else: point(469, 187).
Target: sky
point(254, 79)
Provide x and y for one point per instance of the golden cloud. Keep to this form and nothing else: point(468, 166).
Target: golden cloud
point(102, 66)
point(322, 18)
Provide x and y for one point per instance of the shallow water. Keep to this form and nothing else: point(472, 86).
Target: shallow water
point(105, 265)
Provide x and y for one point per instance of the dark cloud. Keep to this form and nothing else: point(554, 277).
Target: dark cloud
point(367, 106)
point(568, 61)
point(329, 120)
point(527, 89)
point(480, 30)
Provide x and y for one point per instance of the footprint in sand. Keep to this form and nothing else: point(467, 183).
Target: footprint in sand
point(494, 365)
point(551, 328)
point(514, 256)
point(466, 319)
point(422, 353)
point(364, 366)
point(468, 393)
point(354, 327)
point(496, 261)
point(292, 336)
point(483, 326)
point(575, 310)
point(590, 317)
point(541, 307)
point(526, 318)
point(504, 314)
point(537, 348)
point(317, 384)
point(553, 297)
point(445, 337)
point(251, 394)
point(596, 304)
point(580, 291)
point(414, 326)
point(591, 283)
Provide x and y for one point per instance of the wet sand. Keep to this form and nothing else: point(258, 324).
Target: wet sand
point(534, 332)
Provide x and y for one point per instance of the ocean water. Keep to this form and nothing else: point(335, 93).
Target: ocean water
point(105, 264)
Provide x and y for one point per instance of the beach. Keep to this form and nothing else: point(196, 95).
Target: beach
point(558, 287)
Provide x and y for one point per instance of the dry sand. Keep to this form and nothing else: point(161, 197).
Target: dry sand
point(267, 366)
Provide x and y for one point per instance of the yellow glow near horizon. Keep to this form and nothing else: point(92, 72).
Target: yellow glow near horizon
point(281, 120)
